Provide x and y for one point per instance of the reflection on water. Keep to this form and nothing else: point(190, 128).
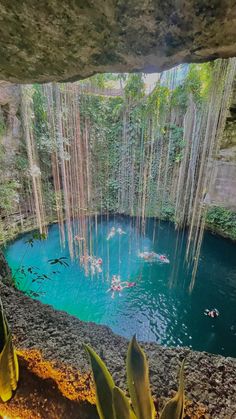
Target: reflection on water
point(151, 309)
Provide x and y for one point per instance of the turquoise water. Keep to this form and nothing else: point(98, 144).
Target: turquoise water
point(151, 309)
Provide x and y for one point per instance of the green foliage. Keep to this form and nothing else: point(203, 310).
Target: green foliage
point(121, 405)
point(45, 145)
point(25, 276)
point(112, 402)
point(198, 81)
point(104, 385)
point(134, 87)
point(8, 195)
point(138, 381)
point(166, 212)
point(105, 116)
point(8, 232)
point(177, 143)
point(158, 100)
point(127, 135)
point(35, 236)
point(9, 369)
point(2, 125)
point(222, 220)
point(21, 162)
point(179, 98)
point(174, 408)
point(40, 120)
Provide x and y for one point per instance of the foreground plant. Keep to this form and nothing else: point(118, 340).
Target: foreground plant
point(112, 403)
point(9, 369)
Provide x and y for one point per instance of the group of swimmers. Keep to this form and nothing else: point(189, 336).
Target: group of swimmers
point(95, 264)
point(117, 286)
point(153, 257)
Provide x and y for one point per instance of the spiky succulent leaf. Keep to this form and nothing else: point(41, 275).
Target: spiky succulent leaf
point(138, 381)
point(104, 385)
point(9, 369)
point(121, 405)
point(4, 330)
point(174, 408)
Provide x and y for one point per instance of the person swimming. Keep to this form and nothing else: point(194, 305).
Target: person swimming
point(211, 313)
point(118, 286)
point(128, 284)
point(85, 259)
point(163, 258)
point(115, 279)
point(153, 257)
point(79, 239)
point(115, 287)
point(94, 263)
point(147, 255)
point(120, 231)
point(112, 233)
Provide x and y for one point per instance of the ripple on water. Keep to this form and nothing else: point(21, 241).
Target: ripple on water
point(151, 309)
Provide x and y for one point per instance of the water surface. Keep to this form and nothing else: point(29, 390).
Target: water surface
point(151, 309)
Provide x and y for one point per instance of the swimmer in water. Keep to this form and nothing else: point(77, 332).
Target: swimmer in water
point(153, 257)
point(164, 259)
point(85, 259)
point(118, 286)
point(112, 233)
point(212, 313)
point(115, 288)
point(120, 231)
point(96, 265)
point(115, 279)
point(146, 255)
point(79, 239)
point(127, 284)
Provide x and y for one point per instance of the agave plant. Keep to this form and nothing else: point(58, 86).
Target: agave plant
point(112, 403)
point(9, 369)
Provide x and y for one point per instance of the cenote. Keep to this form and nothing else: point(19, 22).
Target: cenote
point(152, 309)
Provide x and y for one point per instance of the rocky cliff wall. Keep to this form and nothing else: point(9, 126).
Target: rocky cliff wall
point(56, 40)
point(10, 127)
point(223, 189)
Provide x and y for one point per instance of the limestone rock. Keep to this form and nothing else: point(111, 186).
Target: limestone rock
point(47, 41)
point(210, 379)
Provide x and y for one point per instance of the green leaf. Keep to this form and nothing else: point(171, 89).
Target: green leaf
point(174, 408)
point(104, 385)
point(138, 382)
point(9, 369)
point(121, 405)
point(4, 330)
